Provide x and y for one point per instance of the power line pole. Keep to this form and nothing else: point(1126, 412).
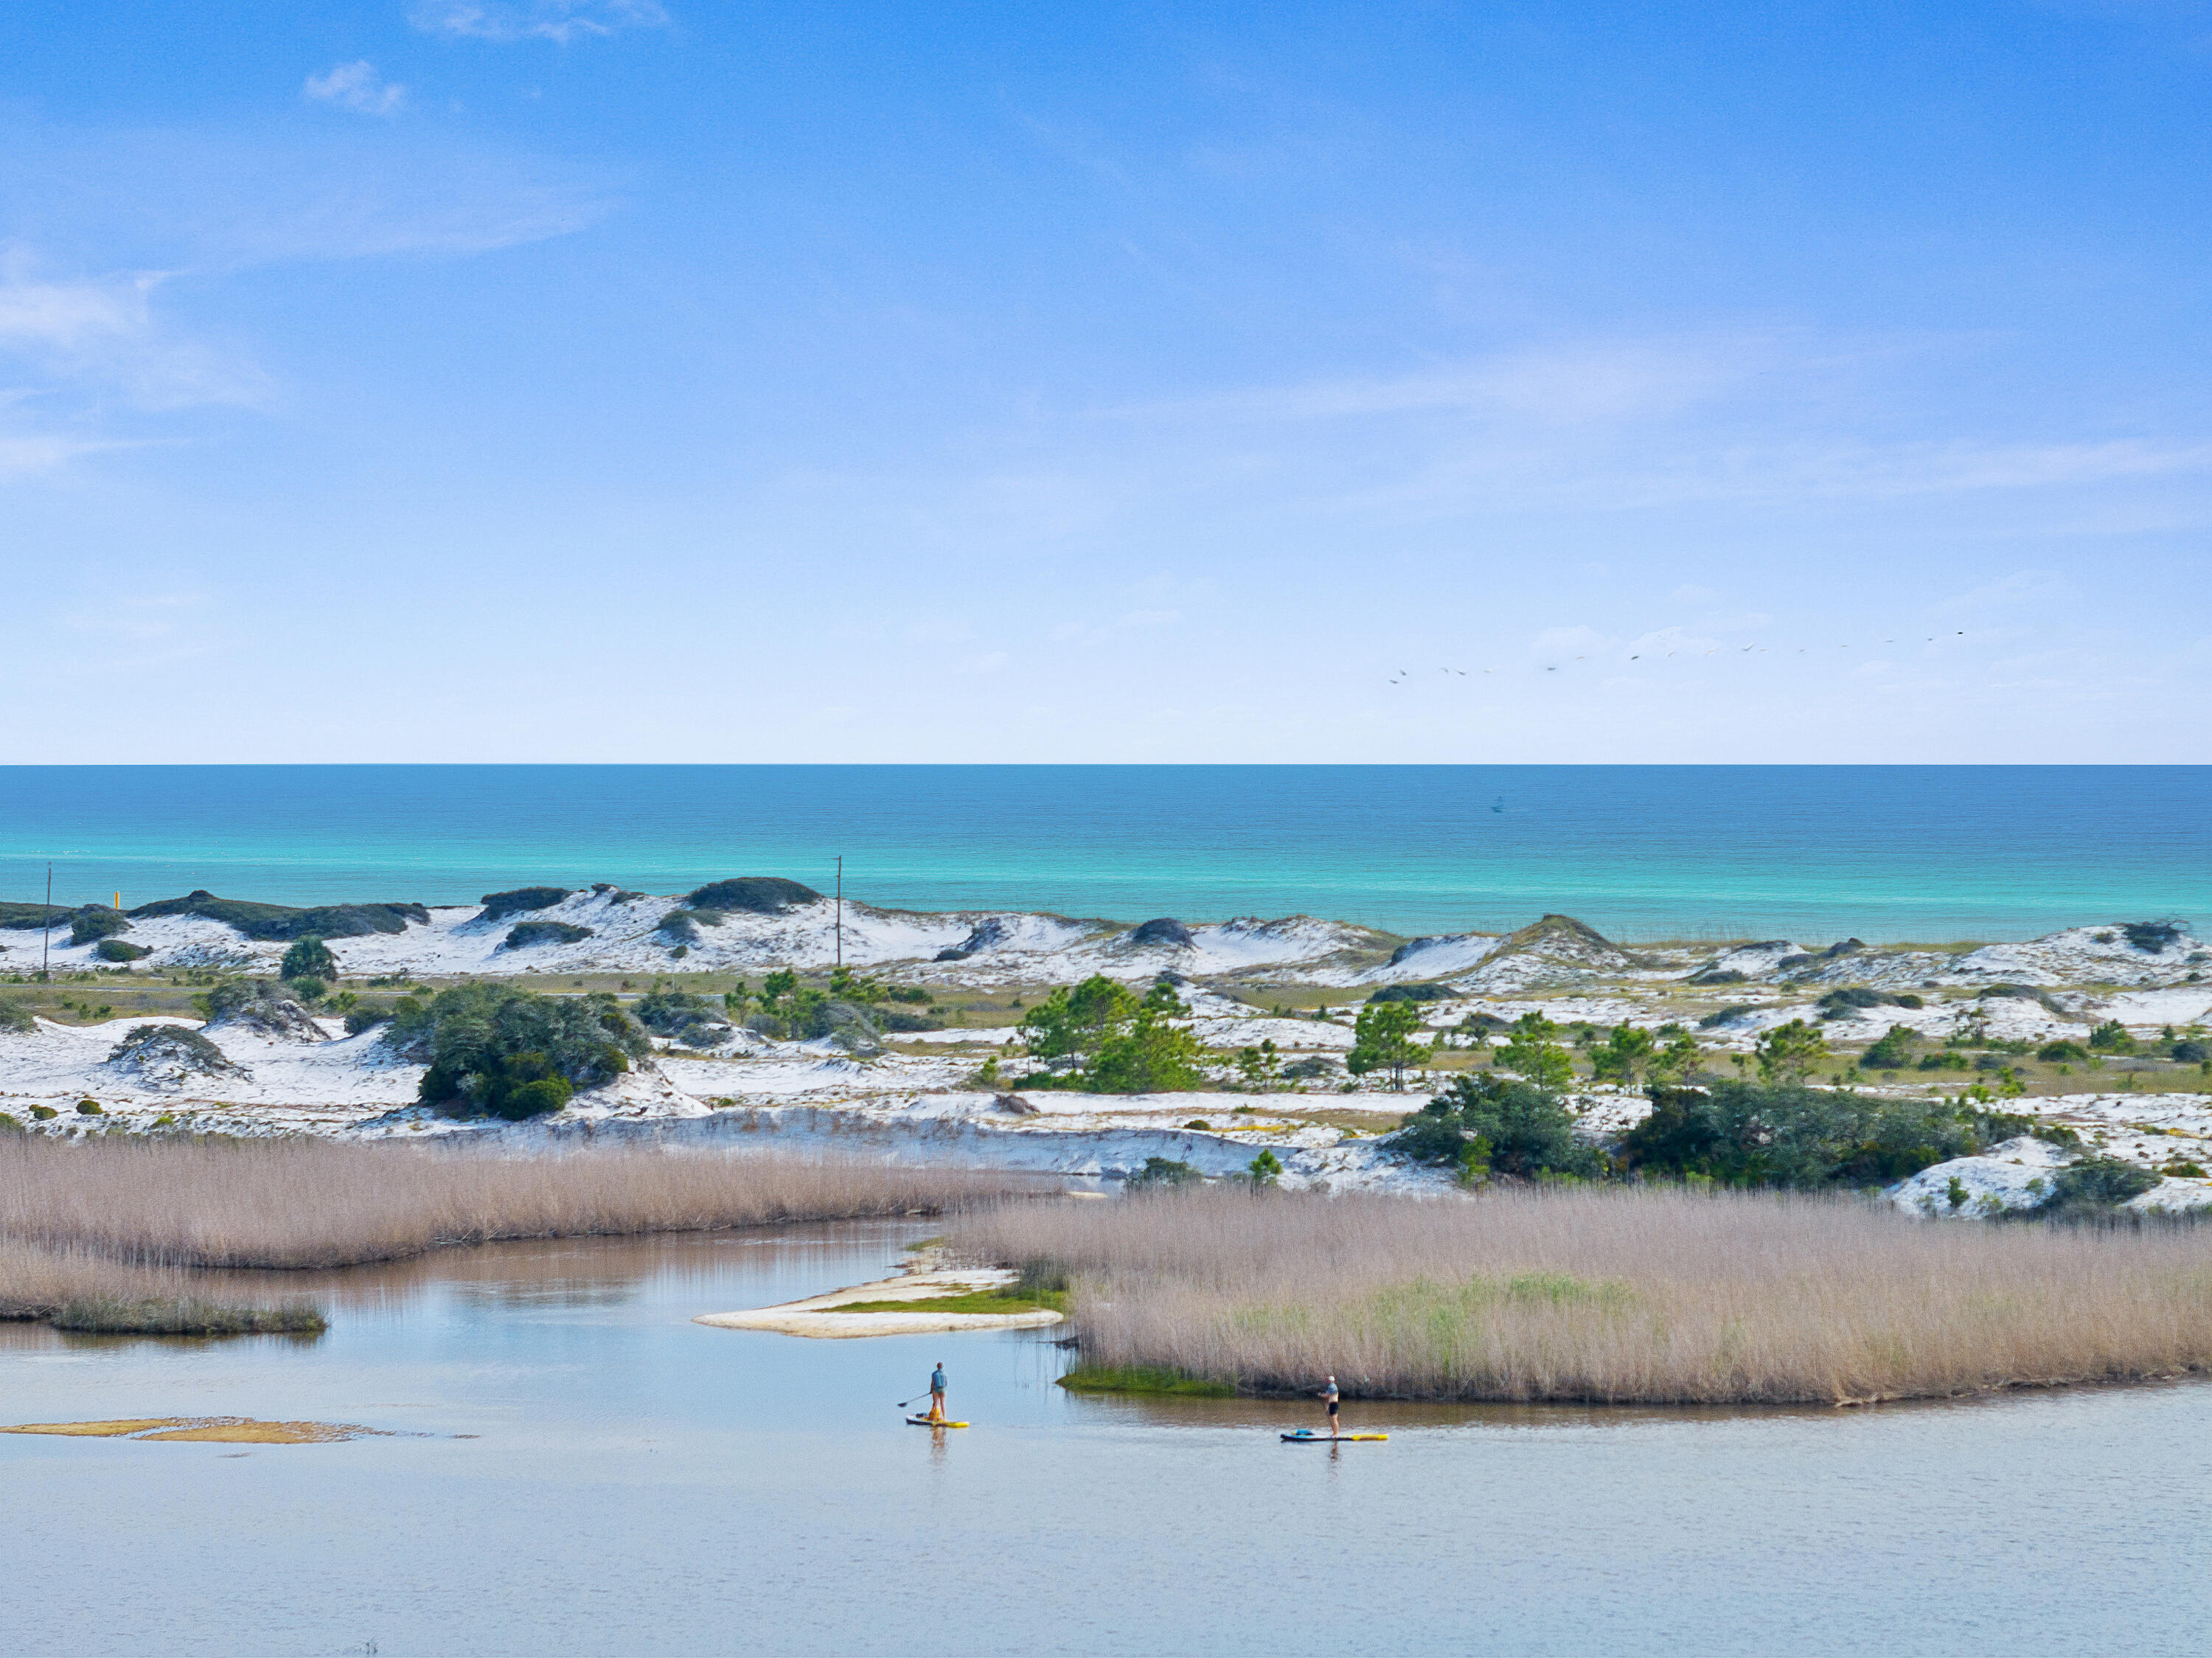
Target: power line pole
point(841, 909)
point(46, 938)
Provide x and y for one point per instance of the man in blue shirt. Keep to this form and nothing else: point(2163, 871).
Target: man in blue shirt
point(937, 1392)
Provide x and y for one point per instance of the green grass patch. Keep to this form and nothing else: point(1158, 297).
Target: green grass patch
point(1009, 1300)
point(1142, 1379)
point(111, 1316)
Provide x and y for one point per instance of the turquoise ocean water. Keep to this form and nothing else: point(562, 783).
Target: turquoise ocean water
point(1813, 852)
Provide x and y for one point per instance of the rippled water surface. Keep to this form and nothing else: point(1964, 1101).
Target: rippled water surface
point(637, 1484)
point(1813, 851)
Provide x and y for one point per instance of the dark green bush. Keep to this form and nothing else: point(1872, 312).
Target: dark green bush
point(2152, 936)
point(1852, 997)
point(15, 1019)
point(366, 1017)
point(2061, 1052)
point(2112, 1036)
point(488, 1045)
point(681, 1015)
point(310, 958)
point(764, 895)
point(525, 934)
point(2099, 1183)
point(276, 923)
point(43, 1113)
point(1528, 1130)
point(1721, 1015)
point(114, 949)
point(1894, 1052)
point(2191, 1053)
point(1164, 1171)
point(1754, 1134)
point(1946, 1061)
point(1414, 993)
point(95, 922)
point(89, 1109)
point(497, 906)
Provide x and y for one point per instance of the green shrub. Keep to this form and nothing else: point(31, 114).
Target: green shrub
point(1892, 1052)
point(497, 906)
point(488, 1044)
point(366, 1017)
point(2190, 1052)
point(1528, 1130)
point(114, 949)
point(1944, 1061)
point(914, 993)
point(2112, 1036)
point(765, 895)
point(1414, 993)
point(681, 1015)
point(1265, 1169)
point(43, 1113)
point(9, 1123)
point(1720, 1016)
point(95, 922)
point(1852, 997)
point(1163, 1172)
point(1751, 1134)
point(310, 958)
point(525, 934)
point(276, 923)
point(15, 1019)
point(89, 1109)
point(2099, 1183)
point(2151, 937)
point(2062, 1052)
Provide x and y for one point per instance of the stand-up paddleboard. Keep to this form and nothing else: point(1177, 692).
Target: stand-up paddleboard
point(1306, 1436)
point(924, 1422)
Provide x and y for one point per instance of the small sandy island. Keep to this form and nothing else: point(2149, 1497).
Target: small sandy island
point(223, 1431)
point(818, 1315)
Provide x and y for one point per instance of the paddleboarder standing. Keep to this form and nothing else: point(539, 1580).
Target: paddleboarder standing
point(1329, 1397)
point(937, 1392)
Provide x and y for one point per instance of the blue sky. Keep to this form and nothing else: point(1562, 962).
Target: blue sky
point(544, 379)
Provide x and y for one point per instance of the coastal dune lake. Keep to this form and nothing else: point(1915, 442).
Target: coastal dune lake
point(570, 1466)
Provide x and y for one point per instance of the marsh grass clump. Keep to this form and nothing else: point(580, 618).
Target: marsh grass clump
point(116, 1203)
point(1606, 1293)
point(15, 1019)
point(111, 1316)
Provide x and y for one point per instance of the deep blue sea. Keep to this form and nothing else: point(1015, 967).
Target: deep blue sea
point(1640, 852)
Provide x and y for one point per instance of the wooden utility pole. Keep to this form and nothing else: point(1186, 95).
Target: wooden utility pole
point(841, 909)
point(46, 938)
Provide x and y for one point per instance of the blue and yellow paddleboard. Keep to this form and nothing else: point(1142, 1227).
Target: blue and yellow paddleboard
point(924, 1422)
point(1306, 1436)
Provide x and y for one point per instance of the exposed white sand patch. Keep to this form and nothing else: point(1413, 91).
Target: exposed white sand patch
point(816, 1315)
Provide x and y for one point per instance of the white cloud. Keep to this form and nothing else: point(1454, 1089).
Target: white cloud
point(357, 87)
point(101, 335)
point(559, 20)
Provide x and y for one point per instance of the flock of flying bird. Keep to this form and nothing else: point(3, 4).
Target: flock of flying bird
point(1403, 674)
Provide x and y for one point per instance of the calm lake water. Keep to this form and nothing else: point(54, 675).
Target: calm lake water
point(641, 1484)
point(1812, 851)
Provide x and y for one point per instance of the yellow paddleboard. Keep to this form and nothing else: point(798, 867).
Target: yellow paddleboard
point(1302, 1437)
point(924, 1422)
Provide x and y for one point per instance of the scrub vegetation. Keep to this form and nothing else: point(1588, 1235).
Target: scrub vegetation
point(1604, 1293)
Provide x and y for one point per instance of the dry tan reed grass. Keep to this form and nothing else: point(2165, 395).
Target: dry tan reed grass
point(167, 1204)
point(1613, 1294)
point(36, 1283)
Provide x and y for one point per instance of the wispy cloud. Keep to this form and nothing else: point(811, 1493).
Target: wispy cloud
point(561, 20)
point(357, 87)
point(102, 336)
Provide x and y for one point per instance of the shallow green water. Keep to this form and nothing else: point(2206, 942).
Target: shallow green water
point(641, 1484)
point(1814, 852)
